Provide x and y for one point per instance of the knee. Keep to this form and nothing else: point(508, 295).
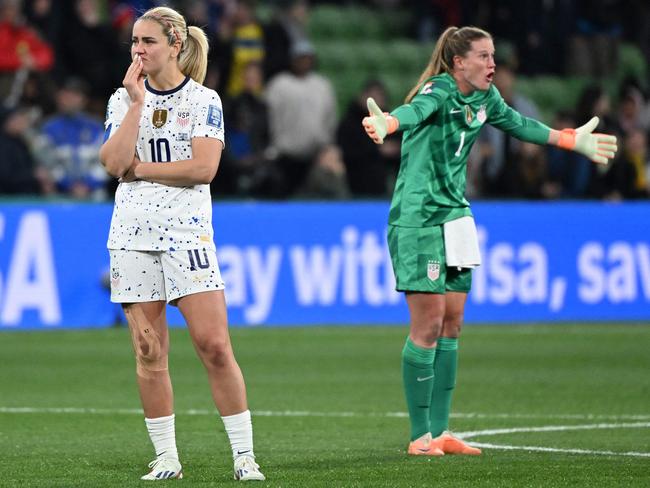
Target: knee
point(215, 352)
point(149, 351)
point(150, 354)
point(427, 336)
point(452, 324)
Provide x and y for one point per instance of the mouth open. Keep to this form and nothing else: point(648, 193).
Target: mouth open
point(489, 77)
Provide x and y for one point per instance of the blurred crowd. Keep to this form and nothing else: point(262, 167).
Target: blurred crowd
point(61, 60)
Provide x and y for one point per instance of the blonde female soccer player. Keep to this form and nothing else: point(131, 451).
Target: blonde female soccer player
point(431, 235)
point(164, 137)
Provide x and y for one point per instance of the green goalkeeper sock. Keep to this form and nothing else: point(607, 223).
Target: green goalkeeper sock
point(444, 367)
point(417, 374)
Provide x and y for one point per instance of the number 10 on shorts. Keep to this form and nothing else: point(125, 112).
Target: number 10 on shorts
point(195, 260)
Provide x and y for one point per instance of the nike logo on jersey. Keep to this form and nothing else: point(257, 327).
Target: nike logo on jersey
point(455, 111)
point(425, 378)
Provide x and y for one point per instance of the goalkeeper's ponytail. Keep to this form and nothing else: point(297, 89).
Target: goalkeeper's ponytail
point(452, 42)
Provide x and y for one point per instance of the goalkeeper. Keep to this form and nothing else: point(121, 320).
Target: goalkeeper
point(431, 235)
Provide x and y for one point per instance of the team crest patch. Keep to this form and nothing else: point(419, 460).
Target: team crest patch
point(115, 278)
point(427, 88)
point(214, 116)
point(433, 270)
point(469, 116)
point(183, 117)
point(159, 118)
point(481, 115)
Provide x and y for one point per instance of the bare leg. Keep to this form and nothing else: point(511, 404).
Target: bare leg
point(427, 311)
point(206, 317)
point(454, 314)
point(151, 345)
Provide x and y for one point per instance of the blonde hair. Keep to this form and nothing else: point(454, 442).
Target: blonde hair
point(193, 57)
point(452, 42)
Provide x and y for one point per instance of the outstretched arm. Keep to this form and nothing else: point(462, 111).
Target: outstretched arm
point(600, 148)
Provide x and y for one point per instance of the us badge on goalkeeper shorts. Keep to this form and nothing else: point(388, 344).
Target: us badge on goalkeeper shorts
point(433, 270)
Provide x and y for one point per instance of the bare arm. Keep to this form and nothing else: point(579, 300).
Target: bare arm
point(200, 170)
point(116, 154)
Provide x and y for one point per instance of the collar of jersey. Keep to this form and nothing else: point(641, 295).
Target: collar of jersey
point(165, 92)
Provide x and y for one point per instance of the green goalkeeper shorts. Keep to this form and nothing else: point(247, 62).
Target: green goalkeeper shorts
point(418, 256)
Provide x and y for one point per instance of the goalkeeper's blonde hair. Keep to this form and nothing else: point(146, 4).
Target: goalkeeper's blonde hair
point(452, 42)
point(193, 58)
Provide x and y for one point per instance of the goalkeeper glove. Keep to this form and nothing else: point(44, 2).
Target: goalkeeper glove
point(379, 124)
point(597, 147)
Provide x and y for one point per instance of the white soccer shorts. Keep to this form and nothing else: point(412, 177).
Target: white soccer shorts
point(149, 276)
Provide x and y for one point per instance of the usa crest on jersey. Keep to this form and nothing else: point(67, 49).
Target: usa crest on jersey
point(481, 115)
point(183, 117)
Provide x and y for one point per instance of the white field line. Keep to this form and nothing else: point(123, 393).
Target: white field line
point(307, 413)
point(464, 435)
point(551, 428)
point(554, 428)
point(553, 449)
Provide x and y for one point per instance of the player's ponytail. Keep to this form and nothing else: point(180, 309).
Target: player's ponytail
point(193, 57)
point(452, 42)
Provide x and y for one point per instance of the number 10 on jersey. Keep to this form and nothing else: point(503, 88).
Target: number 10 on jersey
point(160, 152)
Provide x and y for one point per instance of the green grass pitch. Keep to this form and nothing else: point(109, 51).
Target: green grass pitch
point(556, 406)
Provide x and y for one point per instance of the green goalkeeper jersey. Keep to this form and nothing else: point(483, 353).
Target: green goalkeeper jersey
point(440, 127)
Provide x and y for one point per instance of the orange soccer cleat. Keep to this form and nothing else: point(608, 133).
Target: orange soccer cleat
point(453, 445)
point(425, 446)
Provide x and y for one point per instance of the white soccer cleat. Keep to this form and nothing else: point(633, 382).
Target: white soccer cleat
point(164, 469)
point(246, 469)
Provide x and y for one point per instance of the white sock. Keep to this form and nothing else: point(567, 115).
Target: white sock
point(240, 432)
point(163, 436)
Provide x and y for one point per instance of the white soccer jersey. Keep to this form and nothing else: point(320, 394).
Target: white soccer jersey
point(154, 217)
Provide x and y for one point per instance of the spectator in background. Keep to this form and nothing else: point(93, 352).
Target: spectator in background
point(593, 47)
point(122, 19)
point(627, 177)
point(38, 93)
point(595, 100)
point(326, 179)
point(574, 172)
point(216, 18)
point(431, 17)
point(91, 52)
point(70, 145)
point(247, 45)
point(47, 21)
point(18, 170)
point(286, 29)
point(302, 119)
point(631, 108)
point(635, 154)
point(22, 51)
point(569, 173)
point(371, 168)
point(244, 164)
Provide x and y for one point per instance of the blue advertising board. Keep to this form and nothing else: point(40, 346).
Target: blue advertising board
point(327, 263)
